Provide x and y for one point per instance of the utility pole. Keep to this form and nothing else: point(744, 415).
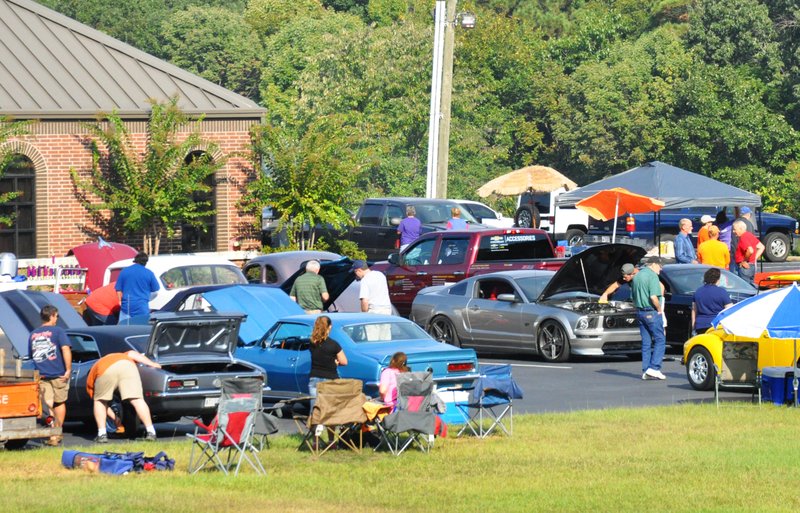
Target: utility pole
point(440, 20)
point(443, 148)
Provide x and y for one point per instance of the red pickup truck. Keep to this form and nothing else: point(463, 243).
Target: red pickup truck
point(439, 258)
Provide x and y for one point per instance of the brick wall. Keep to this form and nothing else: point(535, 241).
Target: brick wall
point(62, 223)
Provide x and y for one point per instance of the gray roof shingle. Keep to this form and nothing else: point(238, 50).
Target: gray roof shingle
point(52, 66)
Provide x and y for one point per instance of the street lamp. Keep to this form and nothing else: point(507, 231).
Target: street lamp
point(445, 21)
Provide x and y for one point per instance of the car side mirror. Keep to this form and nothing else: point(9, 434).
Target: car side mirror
point(394, 258)
point(395, 221)
point(508, 298)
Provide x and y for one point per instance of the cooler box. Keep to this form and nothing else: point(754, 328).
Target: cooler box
point(450, 397)
point(776, 384)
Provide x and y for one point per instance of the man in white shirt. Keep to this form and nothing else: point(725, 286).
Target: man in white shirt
point(374, 293)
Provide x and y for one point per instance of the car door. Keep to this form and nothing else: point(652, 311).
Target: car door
point(368, 230)
point(84, 355)
point(411, 274)
point(493, 323)
point(283, 354)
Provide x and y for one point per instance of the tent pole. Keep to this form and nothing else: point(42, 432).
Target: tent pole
point(616, 218)
point(794, 371)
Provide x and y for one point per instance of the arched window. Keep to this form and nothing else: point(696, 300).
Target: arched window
point(201, 239)
point(20, 236)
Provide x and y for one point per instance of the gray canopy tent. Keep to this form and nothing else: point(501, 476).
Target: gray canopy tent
point(676, 187)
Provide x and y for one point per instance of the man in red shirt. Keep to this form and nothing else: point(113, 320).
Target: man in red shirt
point(102, 306)
point(748, 251)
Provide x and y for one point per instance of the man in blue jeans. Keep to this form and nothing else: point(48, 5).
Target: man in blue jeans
point(646, 293)
point(134, 286)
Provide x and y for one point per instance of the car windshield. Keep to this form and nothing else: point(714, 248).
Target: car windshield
point(686, 281)
point(388, 331)
point(440, 212)
point(480, 210)
point(194, 275)
point(533, 286)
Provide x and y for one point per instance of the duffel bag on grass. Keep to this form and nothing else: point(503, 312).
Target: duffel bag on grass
point(116, 463)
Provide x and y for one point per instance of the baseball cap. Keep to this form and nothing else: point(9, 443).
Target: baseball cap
point(706, 219)
point(655, 260)
point(627, 269)
point(359, 264)
point(745, 210)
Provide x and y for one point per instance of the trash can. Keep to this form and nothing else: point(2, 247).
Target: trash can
point(8, 264)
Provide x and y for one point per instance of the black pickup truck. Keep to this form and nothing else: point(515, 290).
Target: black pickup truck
point(375, 223)
point(776, 231)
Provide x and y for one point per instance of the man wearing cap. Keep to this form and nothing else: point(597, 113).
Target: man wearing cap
point(646, 292)
point(702, 234)
point(713, 251)
point(745, 216)
point(684, 249)
point(748, 251)
point(309, 289)
point(628, 271)
point(374, 292)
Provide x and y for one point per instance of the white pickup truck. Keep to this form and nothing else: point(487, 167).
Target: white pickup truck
point(538, 210)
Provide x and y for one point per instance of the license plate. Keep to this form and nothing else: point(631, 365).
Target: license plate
point(210, 402)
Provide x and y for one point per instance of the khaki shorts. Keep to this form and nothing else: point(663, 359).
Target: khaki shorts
point(53, 391)
point(122, 376)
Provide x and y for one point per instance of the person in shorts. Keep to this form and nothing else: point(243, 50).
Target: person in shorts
point(51, 352)
point(118, 372)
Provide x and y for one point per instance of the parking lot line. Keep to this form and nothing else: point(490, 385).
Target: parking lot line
point(532, 365)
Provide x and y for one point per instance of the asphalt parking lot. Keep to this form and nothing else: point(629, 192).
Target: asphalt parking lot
point(586, 383)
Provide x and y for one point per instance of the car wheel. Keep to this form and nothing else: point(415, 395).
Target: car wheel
point(776, 247)
point(574, 237)
point(527, 216)
point(442, 329)
point(700, 369)
point(552, 342)
point(130, 421)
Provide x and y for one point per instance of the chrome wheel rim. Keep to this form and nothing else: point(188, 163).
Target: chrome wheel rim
point(551, 341)
point(698, 368)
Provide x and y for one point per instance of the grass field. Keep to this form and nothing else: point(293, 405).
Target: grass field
point(676, 458)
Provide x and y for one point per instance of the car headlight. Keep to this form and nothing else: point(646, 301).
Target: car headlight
point(583, 323)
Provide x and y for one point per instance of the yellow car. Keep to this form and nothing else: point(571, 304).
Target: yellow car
point(701, 352)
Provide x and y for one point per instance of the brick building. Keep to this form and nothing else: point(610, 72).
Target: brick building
point(62, 73)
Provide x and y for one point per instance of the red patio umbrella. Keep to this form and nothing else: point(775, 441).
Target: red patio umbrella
point(611, 203)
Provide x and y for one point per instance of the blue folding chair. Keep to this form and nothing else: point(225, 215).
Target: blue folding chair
point(491, 399)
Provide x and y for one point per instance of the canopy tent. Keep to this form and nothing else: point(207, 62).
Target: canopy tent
point(676, 187)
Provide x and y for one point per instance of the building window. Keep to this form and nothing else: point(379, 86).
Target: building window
point(205, 238)
point(19, 237)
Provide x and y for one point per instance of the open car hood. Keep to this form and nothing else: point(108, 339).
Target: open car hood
point(97, 256)
point(592, 270)
point(19, 315)
point(336, 273)
point(193, 333)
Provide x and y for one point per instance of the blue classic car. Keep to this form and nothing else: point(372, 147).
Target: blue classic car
point(276, 337)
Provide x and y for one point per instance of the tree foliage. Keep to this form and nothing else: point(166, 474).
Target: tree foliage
point(8, 129)
point(152, 192)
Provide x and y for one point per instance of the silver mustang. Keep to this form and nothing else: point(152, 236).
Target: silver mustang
point(553, 314)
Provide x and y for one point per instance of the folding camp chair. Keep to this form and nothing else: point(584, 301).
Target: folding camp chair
point(413, 423)
point(739, 369)
point(492, 399)
point(338, 413)
point(228, 440)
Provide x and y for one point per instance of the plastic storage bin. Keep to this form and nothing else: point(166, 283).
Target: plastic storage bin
point(450, 397)
point(776, 384)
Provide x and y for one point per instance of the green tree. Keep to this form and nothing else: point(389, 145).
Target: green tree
point(216, 44)
point(306, 179)
point(8, 129)
point(149, 193)
point(268, 16)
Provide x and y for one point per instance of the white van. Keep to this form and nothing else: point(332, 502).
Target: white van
point(176, 272)
point(538, 210)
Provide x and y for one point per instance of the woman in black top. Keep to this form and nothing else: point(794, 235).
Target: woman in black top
point(326, 355)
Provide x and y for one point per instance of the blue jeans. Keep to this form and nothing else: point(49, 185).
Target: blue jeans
point(654, 341)
point(312, 390)
point(748, 274)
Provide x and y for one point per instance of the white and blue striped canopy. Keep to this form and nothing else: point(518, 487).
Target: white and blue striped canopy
point(777, 312)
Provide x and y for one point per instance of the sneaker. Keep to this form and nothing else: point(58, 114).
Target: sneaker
point(101, 439)
point(654, 374)
point(150, 437)
point(645, 376)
